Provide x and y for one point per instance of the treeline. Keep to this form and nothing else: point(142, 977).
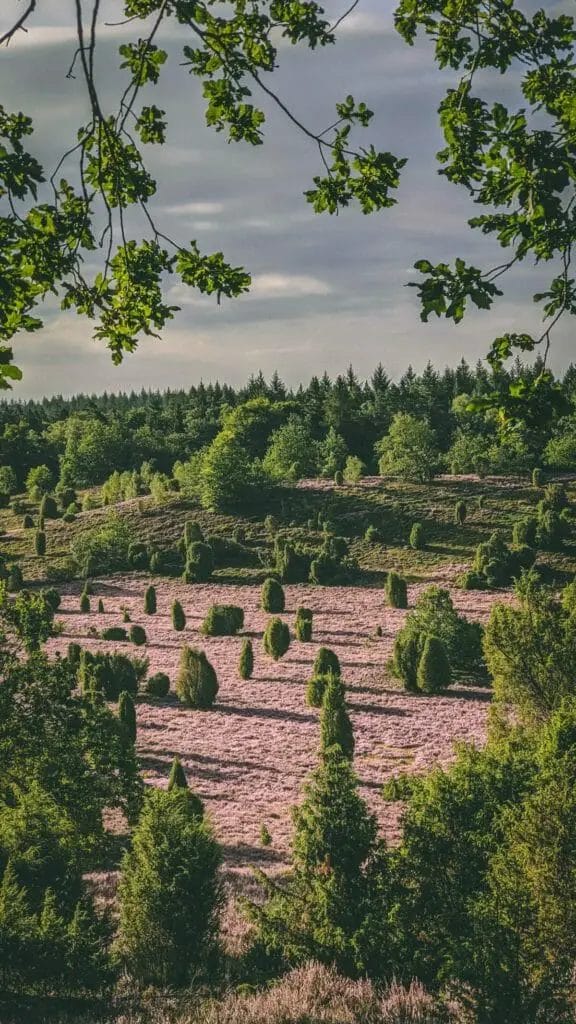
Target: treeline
point(84, 439)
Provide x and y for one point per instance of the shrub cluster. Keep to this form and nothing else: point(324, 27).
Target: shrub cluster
point(496, 564)
point(434, 618)
point(158, 685)
point(199, 563)
point(223, 620)
point(107, 675)
point(272, 597)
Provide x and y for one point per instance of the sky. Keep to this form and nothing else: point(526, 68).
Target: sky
point(327, 291)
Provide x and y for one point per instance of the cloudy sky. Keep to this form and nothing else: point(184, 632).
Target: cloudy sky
point(326, 291)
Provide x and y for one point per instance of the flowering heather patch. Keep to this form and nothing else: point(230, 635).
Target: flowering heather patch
point(248, 757)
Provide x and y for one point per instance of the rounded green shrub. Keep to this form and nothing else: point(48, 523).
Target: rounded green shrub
point(246, 665)
point(150, 600)
point(417, 537)
point(85, 603)
point(276, 638)
point(68, 517)
point(137, 635)
point(66, 496)
point(158, 685)
point(372, 534)
point(138, 556)
point(405, 660)
point(460, 513)
point(14, 579)
point(114, 633)
point(326, 662)
point(199, 563)
point(48, 508)
point(303, 625)
point(27, 522)
point(471, 580)
point(524, 531)
point(40, 542)
point(178, 617)
point(52, 598)
point(222, 620)
point(196, 682)
point(396, 590)
point(434, 672)
point(272, 597)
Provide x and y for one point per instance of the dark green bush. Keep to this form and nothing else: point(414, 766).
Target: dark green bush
point(73, 654)
point(246, 666)
point(495, 562)
point(192, 533)
point(303, 625)
point(68, 517)
point(199, 563)
point(223, 620)
point(14, 579)
point(227, 552)
point(396, 590)
point(407, 648)
point(27, 522)
point(158, 685)
point(66, 496)
point(276, 638)
point(100, 606)
point(338, 478)
point(524, 531)
point(292, 564)
point(272, 596)
point(434, 615)
point(137, 635)
point(335, 724)
point(178, 616)
point(417, 537)
point(460, 512)
point(434, 672)
point(107, 674)
point(127, 715)
point(150, 603)
point(40, 542)
point(168, 562)
point(552, 528)
point(372, 534)
point(138, 556)
point(196, 682)
point(537, 477)
point(555, 497)
point(52, 597)
point(326, 663)
point(324, 570)
point(315, 690)
point(84, 602)
point(114, 633)
point(48, 508)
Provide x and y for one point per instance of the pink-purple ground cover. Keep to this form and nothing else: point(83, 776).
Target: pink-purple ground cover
point(249, 756)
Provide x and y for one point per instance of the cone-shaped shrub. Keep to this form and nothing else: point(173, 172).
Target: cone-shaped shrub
point(272, 597)
point(405, 660)
point(246, 666)
point(127, 716)
point(326, 662)
point(338, 478)
point(137, 635)
point(73, 654)
point(396, 590)
point(537, 478)
point(100, 606)
point(84, 602)
point(222, 620)
point(417, 539)
point(192, 533)
point(158, 685)
point(170, 892)
point(48, 508)
point(372, 534)
point(150, 600)
point(40, 542)
point(27, 522)
point(460, 512)
point(196, 682)
point(303, 625)
point(315, 690)
point(434, 667)
point(178, 616)
point(15, 579)
point(524, 531)
point(335, 725)
point(199, 563)
point(276, 638)
point(177, 778)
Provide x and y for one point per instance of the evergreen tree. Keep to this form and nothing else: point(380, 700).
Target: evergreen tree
point(434, 672)
point(276, 638)
point(335, 725)
point(127, 715)
point(396, 590)
point(178, 616)
point(196, 682)
point(303, 625)
point(100, 606)
point(326, 662)
point(199, 563)
point(170, 893)
point(334, 906)
point(150, 600)
point(40, 542)
point(272, 596)
point(177, 778)
point(246, 666)
point(84, 602)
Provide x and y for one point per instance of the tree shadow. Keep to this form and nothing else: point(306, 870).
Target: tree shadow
point(247, 852)
point(275, 714)
point(377, 709)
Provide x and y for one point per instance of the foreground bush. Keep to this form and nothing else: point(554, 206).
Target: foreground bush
point(272, 596)
point(170, 893)
point(434, 615)
point(107, 675)
point(223, 620)
point(496, 565)
point(196, 682)
point(276, 638)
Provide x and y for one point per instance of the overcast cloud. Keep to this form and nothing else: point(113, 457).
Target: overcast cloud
point(326, 291)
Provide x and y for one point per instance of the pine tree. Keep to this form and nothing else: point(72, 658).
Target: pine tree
point(40, 542)
point(177, 778)
point(396, 590)
point(100, 606)
point(127, 715)
point(276, 638)
point(417, 539)
point(246, 666)
point(150, 600)
point(272, 597)
point(335, 725)
point(170, 892)
point(434, 667)
point(178, 616)
point(196, 682)
point(334, 906)
point(48, 508)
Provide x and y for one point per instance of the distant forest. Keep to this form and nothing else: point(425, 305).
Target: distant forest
point(88, 437)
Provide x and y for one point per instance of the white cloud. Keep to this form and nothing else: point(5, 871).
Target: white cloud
point(275, 286)
point(201, 209)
